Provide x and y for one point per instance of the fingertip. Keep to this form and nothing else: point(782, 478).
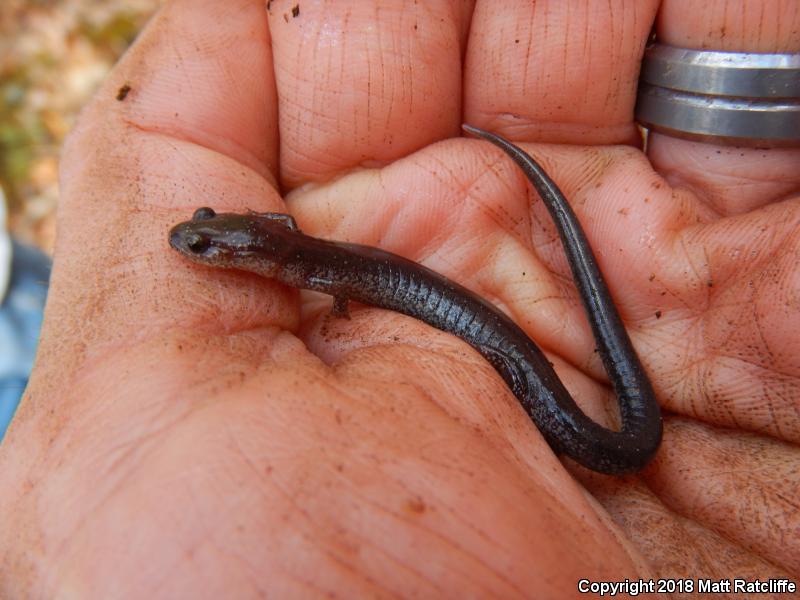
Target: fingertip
point(201, 71)
point(549, 71)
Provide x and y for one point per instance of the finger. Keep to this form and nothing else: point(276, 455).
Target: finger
point(747, 373)
point(557, 71)
point(729, 180)
point(364, 82)
point(753, 26)
point(194, 127)
point(201, 73)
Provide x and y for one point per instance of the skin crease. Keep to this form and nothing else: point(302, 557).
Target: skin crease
point(197, 433)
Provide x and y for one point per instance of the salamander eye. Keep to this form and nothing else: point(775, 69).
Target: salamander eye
point(203, 214)
point(197, 243)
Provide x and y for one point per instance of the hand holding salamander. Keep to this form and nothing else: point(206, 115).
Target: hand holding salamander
point(271, 245)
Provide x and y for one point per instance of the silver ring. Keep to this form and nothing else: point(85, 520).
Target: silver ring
point(721, 97)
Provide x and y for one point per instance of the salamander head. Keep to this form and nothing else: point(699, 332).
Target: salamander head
point(253, 242)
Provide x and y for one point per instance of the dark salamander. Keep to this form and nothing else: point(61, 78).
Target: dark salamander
point(271, 245)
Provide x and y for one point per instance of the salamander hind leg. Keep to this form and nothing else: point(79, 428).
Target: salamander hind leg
point(340, 309)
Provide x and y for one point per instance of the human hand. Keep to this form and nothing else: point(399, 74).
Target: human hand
point(197, 433)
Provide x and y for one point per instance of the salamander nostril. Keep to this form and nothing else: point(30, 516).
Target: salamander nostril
point(203, 214)
point(197, 243)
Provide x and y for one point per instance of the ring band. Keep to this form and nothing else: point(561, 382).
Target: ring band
point(722, 97)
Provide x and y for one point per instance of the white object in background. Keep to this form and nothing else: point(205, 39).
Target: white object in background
point(5, 249)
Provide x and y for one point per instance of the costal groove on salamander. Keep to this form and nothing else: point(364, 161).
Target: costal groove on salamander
point(271, 245)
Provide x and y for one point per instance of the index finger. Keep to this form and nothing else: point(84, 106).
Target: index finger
point(187, 118)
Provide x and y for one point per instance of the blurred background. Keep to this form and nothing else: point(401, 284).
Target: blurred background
point(53, 56)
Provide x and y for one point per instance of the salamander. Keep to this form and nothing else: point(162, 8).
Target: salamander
point(272, 245)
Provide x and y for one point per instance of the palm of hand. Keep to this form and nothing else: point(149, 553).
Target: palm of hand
point(220, 433)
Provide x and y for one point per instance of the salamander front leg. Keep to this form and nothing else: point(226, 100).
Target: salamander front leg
point(280, 218)
point(340, 307)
